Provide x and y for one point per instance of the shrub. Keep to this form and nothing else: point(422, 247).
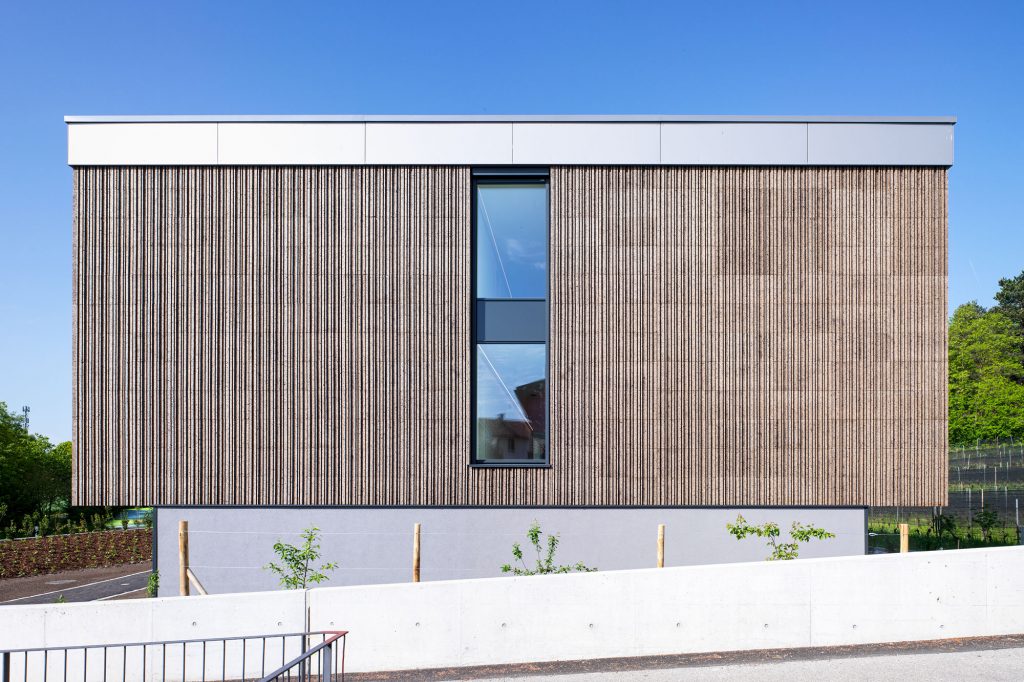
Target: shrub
point(153, 584)
point(780, 551)
point(543, 565)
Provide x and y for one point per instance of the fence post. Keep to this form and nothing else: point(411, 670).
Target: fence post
point(904, 538)
point(661, 545)
point(183, 558)
point(7, 666)
point(416, 553)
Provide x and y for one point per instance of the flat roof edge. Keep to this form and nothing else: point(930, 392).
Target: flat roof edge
point(527, 118)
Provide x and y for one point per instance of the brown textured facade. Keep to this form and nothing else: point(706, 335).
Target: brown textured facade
point(719, 336)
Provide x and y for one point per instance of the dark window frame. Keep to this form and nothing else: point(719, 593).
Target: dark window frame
point(507, 176)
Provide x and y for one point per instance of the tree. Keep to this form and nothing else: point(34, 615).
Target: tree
point(1011, 299)
point(780, 551)
point(544, 565)
point(986, 376)
point(296, 572)
point(34, 475)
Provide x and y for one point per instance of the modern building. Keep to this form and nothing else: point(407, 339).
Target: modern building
point(602, 323)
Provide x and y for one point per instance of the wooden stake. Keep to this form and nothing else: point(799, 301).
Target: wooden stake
point(661, 545)
point(416, 553)
point(904, 538)
point(183, 558)
point(195, 581)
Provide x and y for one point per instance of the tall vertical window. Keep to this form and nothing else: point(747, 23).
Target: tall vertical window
point(510, 286)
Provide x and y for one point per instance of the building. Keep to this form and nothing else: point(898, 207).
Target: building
point(601, 323)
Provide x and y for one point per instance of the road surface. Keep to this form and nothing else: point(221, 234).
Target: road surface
point(86, 585)
point(996, 665)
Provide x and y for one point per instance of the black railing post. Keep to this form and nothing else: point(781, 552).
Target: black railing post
point(7, 666)
point(326, 674)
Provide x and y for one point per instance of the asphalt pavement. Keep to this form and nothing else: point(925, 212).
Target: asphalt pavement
point(996, 665)
point(72, 591)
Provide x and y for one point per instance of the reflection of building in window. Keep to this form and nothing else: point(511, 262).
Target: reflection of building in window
point(503, 438)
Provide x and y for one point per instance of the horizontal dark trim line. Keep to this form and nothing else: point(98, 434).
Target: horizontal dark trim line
point(525, 180)
point(510, 464)
point(511, 300)
point(521, 173)
point(501, 506)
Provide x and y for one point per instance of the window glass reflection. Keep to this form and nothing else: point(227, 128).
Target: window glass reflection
point(512, 237)
point(510, 402)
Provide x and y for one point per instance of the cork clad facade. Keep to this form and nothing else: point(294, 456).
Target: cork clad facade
point(511, 317)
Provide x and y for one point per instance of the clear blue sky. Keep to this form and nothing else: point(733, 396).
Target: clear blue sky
point(893, 58)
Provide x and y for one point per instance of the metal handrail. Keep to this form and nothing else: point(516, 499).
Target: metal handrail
point(193, 657)
point(326, 660)
point(161, 642)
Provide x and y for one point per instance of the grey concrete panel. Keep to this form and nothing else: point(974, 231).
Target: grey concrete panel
point(586, 143)
point(498, 321)
point(300, 143)
point(734, 143)
point(438, 143)
point(229, 546)
point(151, 144)
point(857, 144)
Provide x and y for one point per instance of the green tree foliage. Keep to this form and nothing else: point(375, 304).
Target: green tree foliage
point(545, 559)
point(1011, 299)
point(986, 376)
point(798, 533)
point(34, 474)
point(986, 519)
point(295, 571)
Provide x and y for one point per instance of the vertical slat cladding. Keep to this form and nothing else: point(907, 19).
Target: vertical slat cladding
point(719, 336)
point(790, 324)
point(271, 335)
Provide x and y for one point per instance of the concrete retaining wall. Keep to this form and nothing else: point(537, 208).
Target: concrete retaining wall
point(809, 602)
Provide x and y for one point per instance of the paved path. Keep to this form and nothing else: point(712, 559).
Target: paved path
point(85, 585)
point(985, 658)
point(996, 665)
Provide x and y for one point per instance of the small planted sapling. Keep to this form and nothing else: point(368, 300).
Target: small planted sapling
point(780, 551)
point(545, 561)
point(296, 570)
point(986, 519)
point(944, 524)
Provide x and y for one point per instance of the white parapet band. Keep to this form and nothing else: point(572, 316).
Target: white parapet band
point(505, 140)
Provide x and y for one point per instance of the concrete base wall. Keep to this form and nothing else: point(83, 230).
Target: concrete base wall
point(230, 546)
point(440, 624)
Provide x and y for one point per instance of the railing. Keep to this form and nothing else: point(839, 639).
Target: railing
point(322, 661)
point(211, 659)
